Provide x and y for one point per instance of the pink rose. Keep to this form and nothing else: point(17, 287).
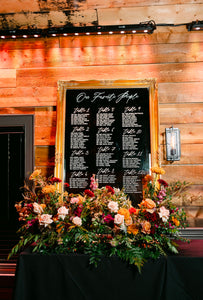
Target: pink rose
point(74, 200)
point(113, 206)
point(45, 220)
point(119, 219)
point(77, 221)
point(164, 214)
point(62, 212)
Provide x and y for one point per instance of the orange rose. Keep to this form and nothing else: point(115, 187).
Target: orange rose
point(146, 180)
point(49, 189)
point(148, 203)
point(133, 229)
point(146, 227)
point(128, 221)
point(124, 212)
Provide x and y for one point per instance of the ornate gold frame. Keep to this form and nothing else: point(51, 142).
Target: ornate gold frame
point(61, 108)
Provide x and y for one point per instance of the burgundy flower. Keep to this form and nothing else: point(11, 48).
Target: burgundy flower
point(151, 217)
point(78, 211)
point(89, 193)
point(108, 219)
point(163, 182)
point(110, 189)
point(66, 184)
point(55, 180)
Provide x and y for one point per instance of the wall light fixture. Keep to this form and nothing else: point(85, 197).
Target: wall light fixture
point(173, 149)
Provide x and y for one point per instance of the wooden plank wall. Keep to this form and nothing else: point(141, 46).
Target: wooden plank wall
point(30, 70)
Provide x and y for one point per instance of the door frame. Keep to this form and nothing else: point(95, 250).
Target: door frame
point(27, 121)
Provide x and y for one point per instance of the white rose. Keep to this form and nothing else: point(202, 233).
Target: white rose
point(62, 212)
point(45, 220)
point(113, 206)
point(164, 214)
point(37, 208)
point(119, 219)
point(77, 221)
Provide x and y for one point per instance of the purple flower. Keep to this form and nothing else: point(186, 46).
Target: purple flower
point(162, 194)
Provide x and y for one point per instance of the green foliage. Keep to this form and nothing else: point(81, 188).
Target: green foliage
point(100, 222)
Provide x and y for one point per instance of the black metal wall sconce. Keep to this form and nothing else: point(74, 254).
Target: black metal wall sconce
point(173, 148)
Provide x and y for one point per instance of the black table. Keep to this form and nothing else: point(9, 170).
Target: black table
point(69, 277)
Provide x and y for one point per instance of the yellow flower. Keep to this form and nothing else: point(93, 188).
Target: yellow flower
point(43, 206)
point(35, 174)
point(81, 198)
point(158, 170)
point(175, 221)
point(49, 189)
point(133, 229)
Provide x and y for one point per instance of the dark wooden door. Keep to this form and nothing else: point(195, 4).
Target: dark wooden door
point(15, 154)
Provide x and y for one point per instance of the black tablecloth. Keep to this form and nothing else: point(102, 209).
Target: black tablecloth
point(69, 277)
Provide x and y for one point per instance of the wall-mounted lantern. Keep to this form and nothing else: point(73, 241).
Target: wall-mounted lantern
point(173, 149)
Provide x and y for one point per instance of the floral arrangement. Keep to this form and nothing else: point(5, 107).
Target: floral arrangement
point(101, 221)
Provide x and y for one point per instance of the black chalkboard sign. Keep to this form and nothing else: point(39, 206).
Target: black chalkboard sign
point(107, 128)
point(107, 133)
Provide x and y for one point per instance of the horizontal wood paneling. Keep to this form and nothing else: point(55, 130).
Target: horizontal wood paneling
point(50, 5)
point(44, 135)
point(189, 173)
point(45, 117)
point(190, 133)
point(29, 43)
point(190, 154)
point(136, 3)
point(7, 78)
point(16, 6)
point(28, 96)
point(181, 113)
point(163, 72)
point(172, 13)
point(14, 111)
point(177, 92)
point(88, 56)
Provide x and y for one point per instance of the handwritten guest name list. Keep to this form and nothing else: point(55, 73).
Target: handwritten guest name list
point(107, 134)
